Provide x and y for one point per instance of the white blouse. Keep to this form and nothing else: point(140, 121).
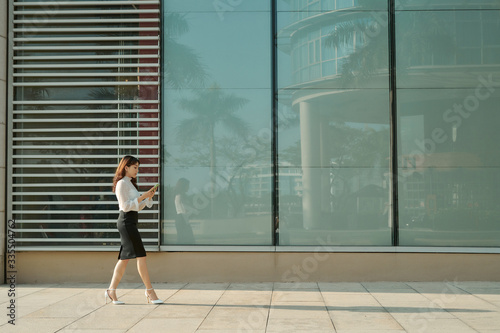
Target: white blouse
point(128, 196)
point(179, 206)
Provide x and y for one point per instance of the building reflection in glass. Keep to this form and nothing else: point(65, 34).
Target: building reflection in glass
point(336, 86)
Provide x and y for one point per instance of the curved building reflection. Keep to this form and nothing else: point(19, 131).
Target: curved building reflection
point(337, 87)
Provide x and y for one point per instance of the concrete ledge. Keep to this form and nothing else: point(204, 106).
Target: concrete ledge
point(58, 267)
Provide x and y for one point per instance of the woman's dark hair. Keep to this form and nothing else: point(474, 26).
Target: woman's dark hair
point(182, 186)
point(120, 170)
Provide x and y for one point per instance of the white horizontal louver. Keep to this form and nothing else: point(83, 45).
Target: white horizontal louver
point(85, 80)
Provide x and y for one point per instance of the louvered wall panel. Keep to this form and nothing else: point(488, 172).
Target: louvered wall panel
point(85, 79)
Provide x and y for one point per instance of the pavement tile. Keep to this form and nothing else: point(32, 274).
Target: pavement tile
point(297, 296)
point(295, 286)
point(414, 323)
point(302, 310)
point(222, 311)
point(350, 300)
point(168, 310)
point(92, 330)
point(167, 325)
point(370, 331)
point(206, 286)
point(254, 319)
point(251, 286)
point(300, 325)
point(76, 306)
point(421, 311)
point(113, 317)
point(252, 299)
point(38, 325)
point(342, 287)
point(399, 287)
point(231, 331)
point(481, 321)
point(436, 288)
point(300, 331)
point(364, 320)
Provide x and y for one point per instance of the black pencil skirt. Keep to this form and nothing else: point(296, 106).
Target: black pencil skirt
point(131, 242)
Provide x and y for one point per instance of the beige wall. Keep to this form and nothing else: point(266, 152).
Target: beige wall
point(59, 267)
point(3, 126)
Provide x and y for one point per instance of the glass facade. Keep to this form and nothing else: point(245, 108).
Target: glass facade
point(217, 167)
point(369, 123)
point(319, 166)
point(333, 125)
point(448, 77)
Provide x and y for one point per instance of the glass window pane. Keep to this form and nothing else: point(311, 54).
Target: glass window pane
point(359, 38)
point(446, 4)
point(334, 159)
point(202, 50)
point(217, 128)
point(233, 209)
point(445, 49)
point(307, 6)
point(449, 167)
point(220, 7)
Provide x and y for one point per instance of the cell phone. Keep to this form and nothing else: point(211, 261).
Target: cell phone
point(156, 186)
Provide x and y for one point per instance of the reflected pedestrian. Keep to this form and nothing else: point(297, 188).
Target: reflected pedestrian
point(184, 230)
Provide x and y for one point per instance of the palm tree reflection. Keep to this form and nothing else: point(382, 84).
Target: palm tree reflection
point(209, 109)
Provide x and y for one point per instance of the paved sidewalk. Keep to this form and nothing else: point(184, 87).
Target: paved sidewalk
point(372, 307)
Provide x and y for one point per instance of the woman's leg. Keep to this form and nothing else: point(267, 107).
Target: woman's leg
point(120, 267)
point(142, 267)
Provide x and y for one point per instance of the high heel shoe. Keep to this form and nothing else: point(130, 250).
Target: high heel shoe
point(106, 295)
point(155, 301)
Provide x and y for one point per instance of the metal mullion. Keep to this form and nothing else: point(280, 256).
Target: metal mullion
point(20, 139)
point(118, 74)
point(274, 123)
point(77, 156)
point(24, 112)
point(42, 66)
point(393, 121)
point(83, 3)
point(85, 84)
point(60, 185)
point(85, 48)
point(71, 102)
point(9, 127)
point(75, 175)
point(70, 202)
point(87, 30)
point(27, 166)
point(74, 202)
point(85, 21)
point(65, 221)
point(64, 240)
point(75, 240)
point(87, 57)
point(76, 230)
point(77, 39)
point(20, 147)
point(52, 13)
point(49, 130)
point(84, 120)
point(73, 212)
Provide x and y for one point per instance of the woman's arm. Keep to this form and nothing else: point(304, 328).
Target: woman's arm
point(128, 203)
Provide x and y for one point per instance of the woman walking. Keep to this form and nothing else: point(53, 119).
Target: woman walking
point(130, 203)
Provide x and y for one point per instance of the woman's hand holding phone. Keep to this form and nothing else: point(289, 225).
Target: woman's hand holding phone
point(153, 190)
